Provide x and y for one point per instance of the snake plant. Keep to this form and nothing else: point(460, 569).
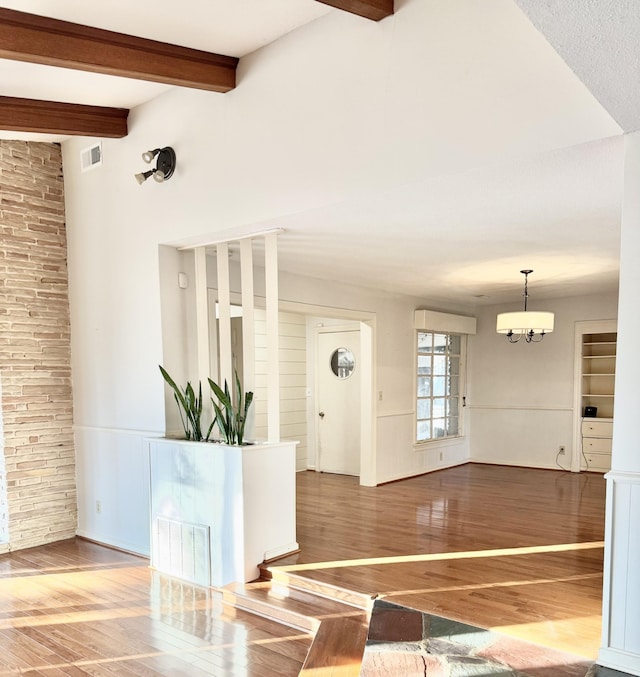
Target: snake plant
point(190, 408)
point(230, 412)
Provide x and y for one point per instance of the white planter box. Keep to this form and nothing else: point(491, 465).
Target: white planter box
point(218, 511)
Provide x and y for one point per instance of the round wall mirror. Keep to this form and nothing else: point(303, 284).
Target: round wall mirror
point(343, 362)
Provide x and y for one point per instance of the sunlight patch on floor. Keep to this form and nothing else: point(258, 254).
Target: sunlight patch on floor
point(556, 634)
point(187, 650)
point(496, 584)
point(440, 556)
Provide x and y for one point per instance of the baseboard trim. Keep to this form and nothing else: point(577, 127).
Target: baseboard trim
point(112, 546)
point(616, 659)
point(276, 553)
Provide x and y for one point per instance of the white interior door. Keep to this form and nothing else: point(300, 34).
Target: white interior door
point(338, 423)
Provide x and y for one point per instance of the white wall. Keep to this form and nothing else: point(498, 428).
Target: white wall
point(393, 372)
point(307, 126)
point(520, 395)
point(293, 381)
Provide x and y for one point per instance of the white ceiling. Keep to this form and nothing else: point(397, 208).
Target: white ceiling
point(598, 39)
point(557, 212)
point(229, 27)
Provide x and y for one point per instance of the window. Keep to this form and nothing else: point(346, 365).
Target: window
point(439, 368)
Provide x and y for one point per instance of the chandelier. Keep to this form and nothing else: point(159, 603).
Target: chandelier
point(532, 325)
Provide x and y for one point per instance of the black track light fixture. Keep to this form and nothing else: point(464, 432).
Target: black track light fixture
point(165, 164)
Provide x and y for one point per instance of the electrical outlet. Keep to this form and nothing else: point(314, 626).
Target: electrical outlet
point(98, 507)
point(562, 450)
point(440, 455)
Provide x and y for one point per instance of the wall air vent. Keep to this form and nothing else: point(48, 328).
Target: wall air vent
point(91, 157)
point(185, 550)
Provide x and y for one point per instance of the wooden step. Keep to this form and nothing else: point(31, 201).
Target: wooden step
point(337, 649)
point(340, 628)
point(358, 599)
point(292, 606)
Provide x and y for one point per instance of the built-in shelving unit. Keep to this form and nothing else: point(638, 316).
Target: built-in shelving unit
point(598, 374)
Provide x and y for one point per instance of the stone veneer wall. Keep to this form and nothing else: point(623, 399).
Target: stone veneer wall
point(35, 364)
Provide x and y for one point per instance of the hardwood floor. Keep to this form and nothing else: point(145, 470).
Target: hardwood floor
point(76, 608)
point(511, 549)
point(516, 550)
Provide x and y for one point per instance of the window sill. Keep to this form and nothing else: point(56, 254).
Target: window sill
point(437, 443)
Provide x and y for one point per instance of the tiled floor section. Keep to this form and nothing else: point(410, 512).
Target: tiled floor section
point(410, 643)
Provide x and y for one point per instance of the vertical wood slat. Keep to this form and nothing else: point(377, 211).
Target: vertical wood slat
point(202, 316)
point(248, 326)
point(273, 345)
point(224, 319)
point(225, 362)
point(212, 300)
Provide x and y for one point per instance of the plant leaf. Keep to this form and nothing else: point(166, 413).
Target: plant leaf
point(206, 439)
point(182, 420)
point(180, 400)
point(189, 406)
point(222, 424)
point(247, 403)
point(230, 411)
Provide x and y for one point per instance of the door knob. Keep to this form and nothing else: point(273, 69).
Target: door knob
point(321, 414)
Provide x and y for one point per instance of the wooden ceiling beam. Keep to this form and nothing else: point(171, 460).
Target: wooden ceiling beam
point(41, 40)
point(51, 117)
point(369, 9)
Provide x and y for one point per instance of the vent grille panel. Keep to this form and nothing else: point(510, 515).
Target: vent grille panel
point(91, 157)
point(183, 550)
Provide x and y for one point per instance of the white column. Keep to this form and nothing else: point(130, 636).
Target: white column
point(621, 595)
point(224, 316)
point(273, 343)
point(202, 319)
point(248, 327)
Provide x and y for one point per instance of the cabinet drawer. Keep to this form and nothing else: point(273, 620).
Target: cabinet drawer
point(599, 445)
point(596, 462)
point(596, 428)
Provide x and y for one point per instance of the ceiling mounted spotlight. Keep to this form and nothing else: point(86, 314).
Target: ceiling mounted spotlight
point(165, 165)
point(148, 155)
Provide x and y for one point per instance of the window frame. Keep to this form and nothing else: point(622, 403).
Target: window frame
point(461, 396)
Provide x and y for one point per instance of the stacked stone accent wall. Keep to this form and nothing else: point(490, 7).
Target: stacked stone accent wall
point(35, 364)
